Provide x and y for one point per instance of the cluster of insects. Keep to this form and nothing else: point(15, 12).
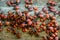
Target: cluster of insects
point(41, 21)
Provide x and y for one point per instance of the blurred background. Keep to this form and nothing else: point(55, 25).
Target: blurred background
point(38, 3)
